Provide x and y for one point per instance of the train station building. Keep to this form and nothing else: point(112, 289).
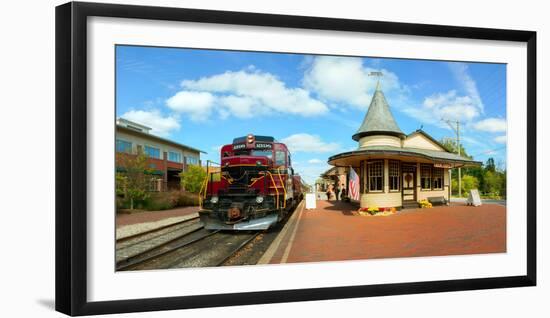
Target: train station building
point(395, 169)
point(166, 158)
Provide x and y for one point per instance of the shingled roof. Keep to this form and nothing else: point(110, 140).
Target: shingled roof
point(379, 119)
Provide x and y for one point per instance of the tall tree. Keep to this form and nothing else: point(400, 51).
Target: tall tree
point(490, 165)
point(450, 144)
point(193, 178)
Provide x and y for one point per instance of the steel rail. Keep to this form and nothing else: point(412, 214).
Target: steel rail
point(126, 238)
point(128, 263)
point(238, 248)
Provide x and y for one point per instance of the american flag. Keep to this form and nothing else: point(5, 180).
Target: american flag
point(353, 185)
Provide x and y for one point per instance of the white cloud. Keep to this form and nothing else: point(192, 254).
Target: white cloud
point(451, 105)
point(315, 161)
point(310, 173)
point(197, 104)
point(461, 74)
point(500, 139)
point(248, 93)
point(345, 79)
point(308, 143)
point(445, 106)
point(241, 107)
point(493, 125)
point(160, 125)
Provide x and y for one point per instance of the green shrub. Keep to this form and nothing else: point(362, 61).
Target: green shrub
point(161, 201)
point(188, 199)
point(169, 200)
point(468, 183)
point(121, 203)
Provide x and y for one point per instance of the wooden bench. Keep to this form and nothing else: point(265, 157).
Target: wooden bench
point(437, 200)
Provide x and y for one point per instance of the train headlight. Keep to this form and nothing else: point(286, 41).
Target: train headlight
point(259, 199)
point(214, 200)
point(258, 163)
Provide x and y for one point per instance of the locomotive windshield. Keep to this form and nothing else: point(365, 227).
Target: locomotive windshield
point(262, 153)
point(254, 152)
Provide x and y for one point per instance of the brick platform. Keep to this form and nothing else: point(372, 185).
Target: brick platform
point(331, 232)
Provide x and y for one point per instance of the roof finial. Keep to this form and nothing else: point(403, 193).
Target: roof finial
point(377, 74)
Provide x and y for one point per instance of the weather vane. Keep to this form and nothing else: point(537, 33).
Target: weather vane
point(377, 74)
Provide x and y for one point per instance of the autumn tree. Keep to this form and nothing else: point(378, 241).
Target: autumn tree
point(132, 182)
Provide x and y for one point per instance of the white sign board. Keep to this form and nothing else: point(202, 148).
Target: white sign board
point(310, 201)
point(473, 198)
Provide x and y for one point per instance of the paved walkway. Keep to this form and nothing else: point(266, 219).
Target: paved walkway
point(123, 219)
point(332, 232)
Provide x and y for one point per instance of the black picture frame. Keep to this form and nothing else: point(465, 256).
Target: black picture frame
point(71, 157)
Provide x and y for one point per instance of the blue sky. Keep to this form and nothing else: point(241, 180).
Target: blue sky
point(205, 98)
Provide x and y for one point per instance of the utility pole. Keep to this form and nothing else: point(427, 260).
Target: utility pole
point(455, 126)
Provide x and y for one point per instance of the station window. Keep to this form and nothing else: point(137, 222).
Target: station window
point(192, 161)
point(174, 156)
point(438, 178)
point(280, 158)
point(426, 177)
point(375, 175)
point(394, 175)
point(152, 152)
point(123, 146)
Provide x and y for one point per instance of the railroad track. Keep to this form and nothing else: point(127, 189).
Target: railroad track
point(156, 230)
point(151, 254)
point(199, 249)
point(181, 245)
point(238, 248)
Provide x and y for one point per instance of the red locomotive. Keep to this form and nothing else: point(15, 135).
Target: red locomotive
point(255, 187)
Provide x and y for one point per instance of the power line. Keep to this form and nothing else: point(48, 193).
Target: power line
point(487, 152)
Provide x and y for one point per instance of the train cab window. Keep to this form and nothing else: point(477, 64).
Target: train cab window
point(280, 157)
point(262, 153)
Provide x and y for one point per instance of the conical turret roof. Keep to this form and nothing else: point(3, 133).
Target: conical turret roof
point(379, 119)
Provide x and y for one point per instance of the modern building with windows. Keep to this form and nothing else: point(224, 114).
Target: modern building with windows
point(395, 169)
point(166, 158)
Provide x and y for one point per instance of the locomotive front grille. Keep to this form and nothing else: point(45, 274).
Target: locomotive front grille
point(240, 177)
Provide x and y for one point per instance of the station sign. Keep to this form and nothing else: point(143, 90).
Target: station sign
point(258, 145)
point(263, 145)
point(443, 165)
